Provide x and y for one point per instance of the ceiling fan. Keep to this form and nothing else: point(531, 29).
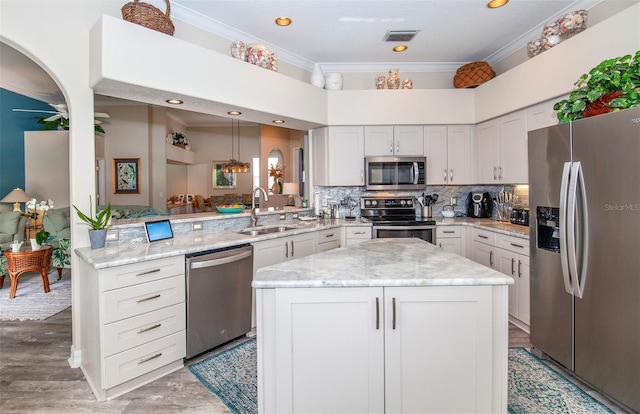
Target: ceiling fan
point(61, 112)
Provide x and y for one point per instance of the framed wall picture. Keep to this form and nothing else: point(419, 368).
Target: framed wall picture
point(181, 198)
point(223, 179)
point(126, 175)
point(189, 198)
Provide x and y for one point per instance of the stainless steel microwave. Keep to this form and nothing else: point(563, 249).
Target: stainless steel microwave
point(395, 173)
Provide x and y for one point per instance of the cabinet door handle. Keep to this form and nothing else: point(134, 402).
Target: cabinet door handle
point(495, 173)
point(519, 268)
point(143, 330)
point(500, 173)
point(517, 245)
point(393, 322)
point(377, 313)
point(147, 272)
point(440, 245)
point(361, 176)
point(286, 250)
point(451, 175)
point(482, 236)
point(512, 262)
point(143, 360)
point(149, 298)
point(445, 174)
point(397, 146)
point(291, 248)
point(491, 258)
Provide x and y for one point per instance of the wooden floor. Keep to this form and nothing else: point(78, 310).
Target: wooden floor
point(35, 376)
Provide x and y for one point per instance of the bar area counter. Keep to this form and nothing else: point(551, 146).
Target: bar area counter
point(389, 325)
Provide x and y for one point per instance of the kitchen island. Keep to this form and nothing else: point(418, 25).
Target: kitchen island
point(389, 325)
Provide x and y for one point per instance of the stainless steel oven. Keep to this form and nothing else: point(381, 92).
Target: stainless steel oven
point(395, 217)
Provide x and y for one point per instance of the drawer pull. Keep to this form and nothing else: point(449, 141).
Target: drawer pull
point(329, 235)
point(448, 231)
point(482, 236)
point(358, 232)
point(147, 272)
point(517, 245)
point(143, 360)
point(149, 298)
point(143, 330)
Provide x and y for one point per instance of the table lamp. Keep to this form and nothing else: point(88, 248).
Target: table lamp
point(290, 189)
point(16, 197)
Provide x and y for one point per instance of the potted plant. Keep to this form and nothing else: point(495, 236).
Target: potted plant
point(612, 85)
point(98, 223)
point(41, 235)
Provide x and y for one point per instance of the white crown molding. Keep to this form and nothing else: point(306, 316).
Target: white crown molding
point(375, 67)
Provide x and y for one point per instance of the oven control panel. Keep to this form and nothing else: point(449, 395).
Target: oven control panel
point(387, 203)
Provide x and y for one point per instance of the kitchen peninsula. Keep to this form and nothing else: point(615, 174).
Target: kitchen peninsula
point(388, 325)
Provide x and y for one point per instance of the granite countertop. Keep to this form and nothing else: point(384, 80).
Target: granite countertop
point(140, 251)
point(380, 262)
point(503, 227)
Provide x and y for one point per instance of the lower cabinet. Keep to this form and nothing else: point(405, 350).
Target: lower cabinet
point(382, 349)
point(451, 238)
point(508, 255)
point(134, 321)
point(327, 239)
point(355, 234)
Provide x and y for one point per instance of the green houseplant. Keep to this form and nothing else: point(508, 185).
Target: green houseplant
point(99, 224)
point(612, 85)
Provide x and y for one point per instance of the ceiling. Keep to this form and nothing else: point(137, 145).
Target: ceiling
point(342, 35)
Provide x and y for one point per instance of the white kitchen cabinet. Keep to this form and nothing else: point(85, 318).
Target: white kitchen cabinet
point(338, 156)
point(393, 140)
point(512, 257)
point(374, 349)
point(355, 234)
point(449, 154)
point(502, 150)
point(508, 255)
point(327, 239)
point(134, 321)
point(451, 238)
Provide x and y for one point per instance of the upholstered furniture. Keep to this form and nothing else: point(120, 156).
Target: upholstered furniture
point(27, 260)
point(57, 222)
point(12, 227)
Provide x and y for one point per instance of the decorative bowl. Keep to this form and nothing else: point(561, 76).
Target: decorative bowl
point(230, 208)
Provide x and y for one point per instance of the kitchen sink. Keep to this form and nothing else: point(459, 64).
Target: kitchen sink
point(265, 230)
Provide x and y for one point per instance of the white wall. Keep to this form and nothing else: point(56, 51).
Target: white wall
point(46, 166)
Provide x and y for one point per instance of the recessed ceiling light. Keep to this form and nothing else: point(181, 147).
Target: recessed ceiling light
point(234, 113)
point(494, 4)
point(278, 121)
point(400, 48)
point(283, 21)
point(174, 101)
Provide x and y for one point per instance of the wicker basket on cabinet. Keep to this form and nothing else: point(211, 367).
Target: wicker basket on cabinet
point(473, 74)
point(148, 16)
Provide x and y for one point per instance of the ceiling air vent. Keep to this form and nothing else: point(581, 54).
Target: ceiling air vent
point(400, 35)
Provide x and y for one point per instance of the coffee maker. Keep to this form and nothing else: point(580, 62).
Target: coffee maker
point(479, 205)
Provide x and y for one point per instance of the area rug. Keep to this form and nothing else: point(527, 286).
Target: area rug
point(232, 376)
point(533, 386)
point(536, 388)
point(31, 303)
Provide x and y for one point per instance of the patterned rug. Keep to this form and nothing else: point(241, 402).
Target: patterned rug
point(533, 386)
point(232, 376)
point(536, 388)
point(31, 303)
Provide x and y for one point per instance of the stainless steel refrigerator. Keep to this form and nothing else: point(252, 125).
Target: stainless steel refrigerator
point(584, 196)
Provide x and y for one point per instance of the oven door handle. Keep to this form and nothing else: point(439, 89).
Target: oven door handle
point(416, 172)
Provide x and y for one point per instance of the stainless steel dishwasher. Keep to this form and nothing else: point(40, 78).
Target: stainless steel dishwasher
point(218, 297)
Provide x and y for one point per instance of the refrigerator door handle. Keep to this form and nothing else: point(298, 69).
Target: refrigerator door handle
point(581, 273)
point(566, 277)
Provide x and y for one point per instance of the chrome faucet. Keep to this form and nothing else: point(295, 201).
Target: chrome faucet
point(254, 217)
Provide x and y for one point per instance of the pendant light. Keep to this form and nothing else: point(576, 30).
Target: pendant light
point(234, 165)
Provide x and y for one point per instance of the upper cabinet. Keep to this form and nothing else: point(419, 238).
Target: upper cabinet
point(449, 154)
point(393, 140)
point(502, 150)
point(338, 158)
point(541, 115)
